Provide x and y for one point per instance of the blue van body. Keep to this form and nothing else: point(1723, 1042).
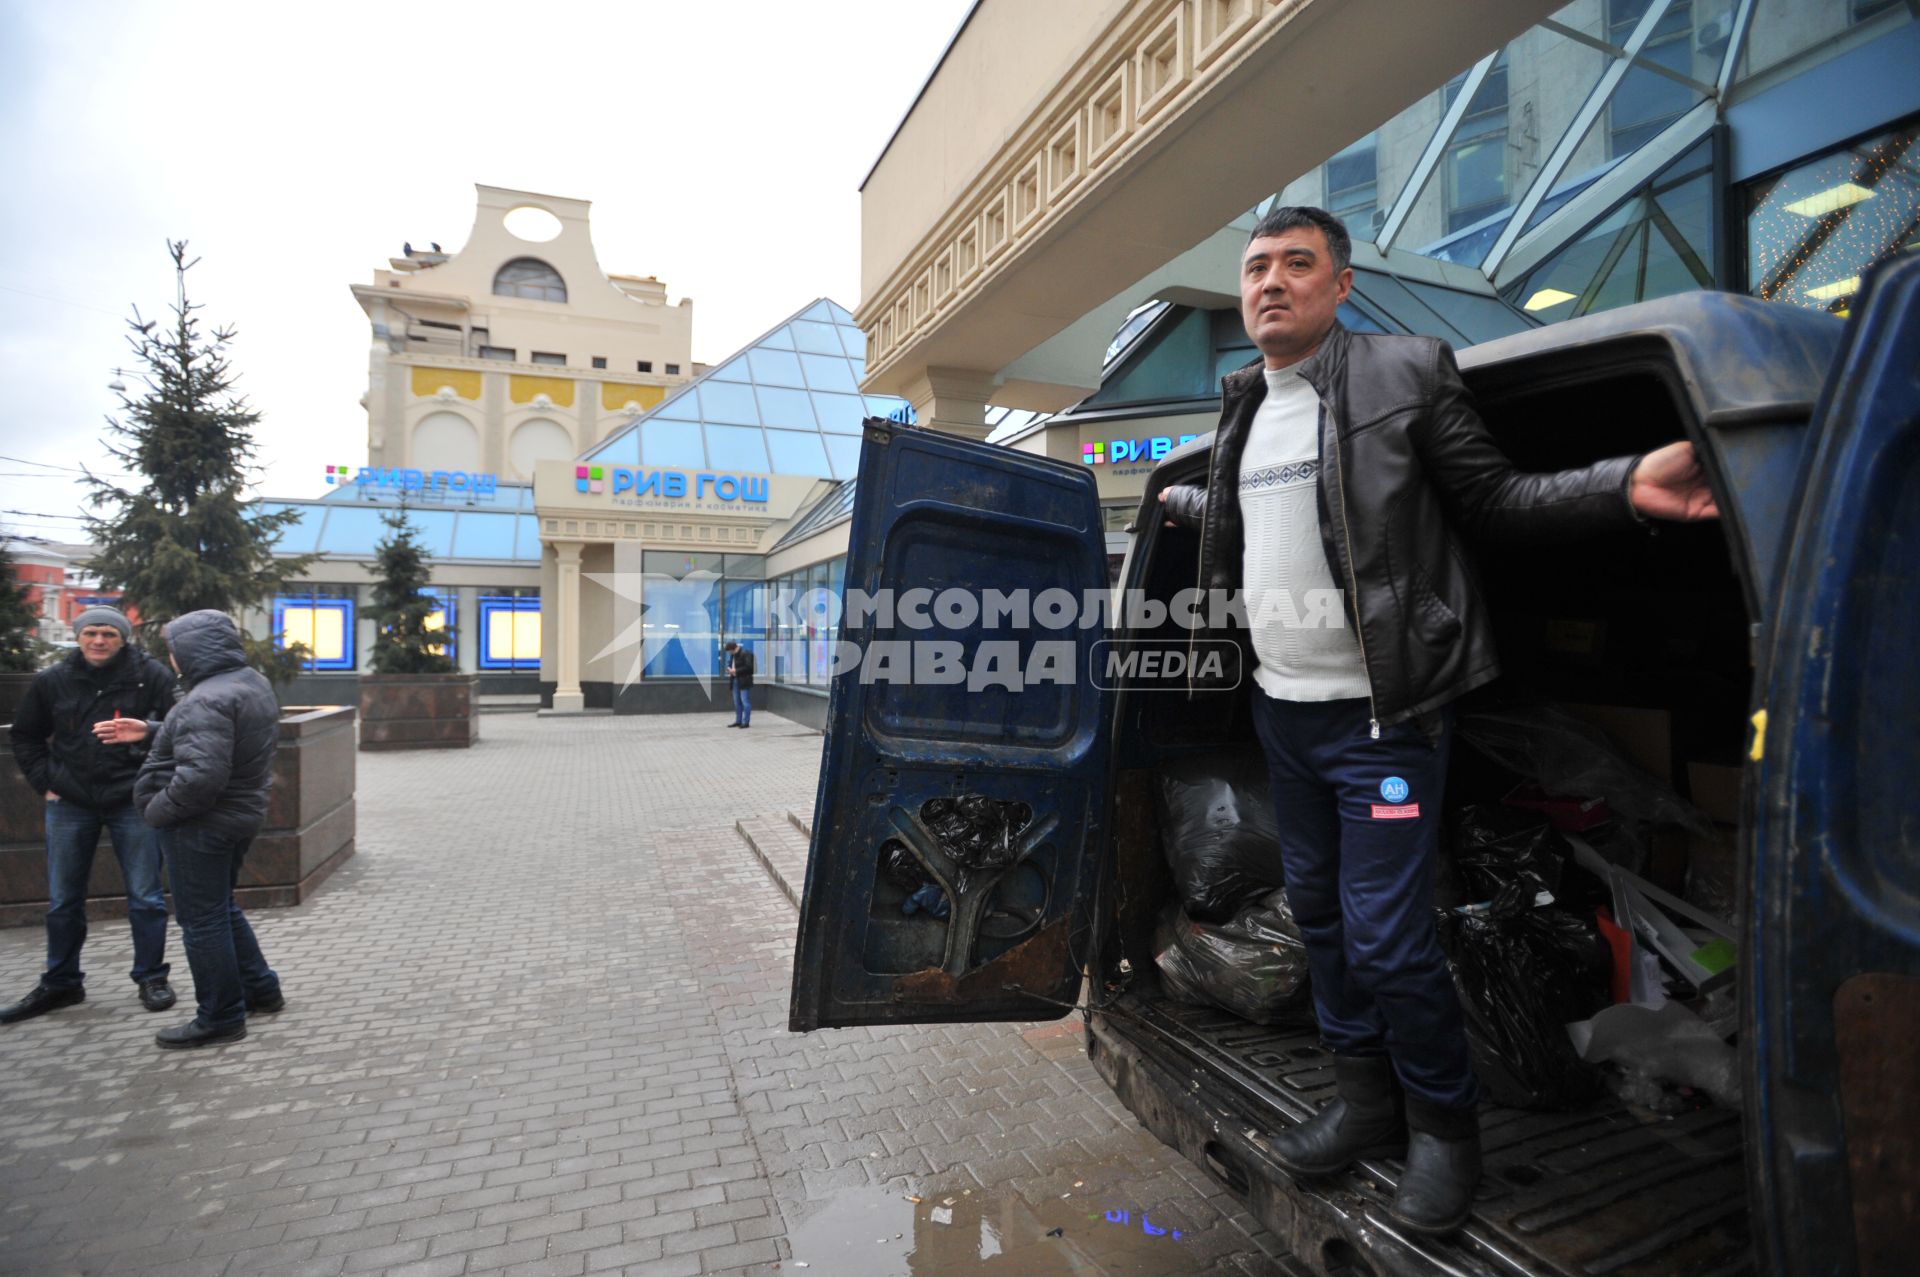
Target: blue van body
point(1810, 431)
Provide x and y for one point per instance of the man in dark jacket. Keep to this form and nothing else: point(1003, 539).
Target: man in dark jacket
point(204, 787)
point(86, 779)
point(740, 670)
point(1343, 473)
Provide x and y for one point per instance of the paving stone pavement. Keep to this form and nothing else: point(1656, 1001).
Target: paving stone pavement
point(537, 1025)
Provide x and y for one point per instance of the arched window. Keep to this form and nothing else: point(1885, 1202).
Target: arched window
point(530, 277)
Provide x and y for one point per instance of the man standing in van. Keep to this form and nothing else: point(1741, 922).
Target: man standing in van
point(1351, 463)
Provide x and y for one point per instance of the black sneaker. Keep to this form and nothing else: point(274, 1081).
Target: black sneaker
point(267, 1005)
point(193, 1033)
point(41, 999)
point(156, 994)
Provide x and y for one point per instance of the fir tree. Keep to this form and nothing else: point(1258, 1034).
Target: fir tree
point(185, 537)
point(404, 643)
point(20, 648)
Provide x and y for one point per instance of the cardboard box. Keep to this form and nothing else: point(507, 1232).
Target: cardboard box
point(1716, 791)
point(1643, 736)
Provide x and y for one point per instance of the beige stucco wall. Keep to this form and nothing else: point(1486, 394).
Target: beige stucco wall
point(429, 319)
point(1158, 122)
point(999, 66)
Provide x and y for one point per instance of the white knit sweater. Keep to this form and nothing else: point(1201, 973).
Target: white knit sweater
point(1306, 650)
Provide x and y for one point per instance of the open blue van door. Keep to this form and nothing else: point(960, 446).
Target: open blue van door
point(965, 780)
point(1832, 987)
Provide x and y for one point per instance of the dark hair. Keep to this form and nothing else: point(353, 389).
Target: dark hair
point(1289, 217)
point(731, 646)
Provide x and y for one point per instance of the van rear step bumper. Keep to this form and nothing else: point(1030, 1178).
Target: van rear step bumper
point(1598, 1193)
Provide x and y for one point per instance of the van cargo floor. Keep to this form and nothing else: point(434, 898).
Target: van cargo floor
point(1601, 1191)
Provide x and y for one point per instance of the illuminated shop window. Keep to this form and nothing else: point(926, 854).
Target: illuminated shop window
point(442, 619)
point(324, 626)
point(1813, 231)
point(509, 631)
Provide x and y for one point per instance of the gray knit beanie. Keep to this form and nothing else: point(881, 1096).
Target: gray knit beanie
point(100, 614)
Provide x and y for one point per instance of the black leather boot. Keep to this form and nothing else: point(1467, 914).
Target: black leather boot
point(1364, 1120)
point(1443, 1165)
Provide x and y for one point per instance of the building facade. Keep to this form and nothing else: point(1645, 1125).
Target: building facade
point(518, 347)
point(59, 585)
point(1499, 164)
point(600, 513)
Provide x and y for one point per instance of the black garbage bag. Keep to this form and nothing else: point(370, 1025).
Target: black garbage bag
point(1574, 759)
point(1254, 965)
point(1524, 974)
point(978, 832)
point(1507, 857)
point(1217, 824)
point(901, 867)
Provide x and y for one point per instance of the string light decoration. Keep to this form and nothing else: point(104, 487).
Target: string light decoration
point(1813, 232)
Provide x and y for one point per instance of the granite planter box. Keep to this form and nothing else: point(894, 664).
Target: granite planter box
point(13, 686)
point(308, 832)
point(419, 711)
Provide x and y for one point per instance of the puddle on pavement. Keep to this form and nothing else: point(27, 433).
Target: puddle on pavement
point(876, 1233)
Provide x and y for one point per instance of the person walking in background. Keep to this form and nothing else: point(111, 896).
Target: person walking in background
point(85, 775)
point(204, 787)
point(740, 670)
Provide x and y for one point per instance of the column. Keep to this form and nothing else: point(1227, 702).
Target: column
point(952, 399)
point(567, 697)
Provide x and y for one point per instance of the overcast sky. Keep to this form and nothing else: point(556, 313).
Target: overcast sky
point(297, 147)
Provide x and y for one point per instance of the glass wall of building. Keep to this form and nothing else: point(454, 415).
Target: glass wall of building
point(696, 602)
point(491, 628)
point(789, 403)
point(803, 626)
point(1578, 168)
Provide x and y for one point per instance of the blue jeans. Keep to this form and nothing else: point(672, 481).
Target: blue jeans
point(1359, 837)
point(222, 952)
point(73, 832)
point(743, 705)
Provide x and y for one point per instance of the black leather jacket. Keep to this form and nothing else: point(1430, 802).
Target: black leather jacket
point(52, 732)
point(1406, 468)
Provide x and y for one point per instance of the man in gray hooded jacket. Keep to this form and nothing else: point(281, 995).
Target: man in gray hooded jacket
point(204, 787)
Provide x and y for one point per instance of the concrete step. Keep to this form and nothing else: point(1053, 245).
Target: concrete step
point(803, 822)
point(781, 851)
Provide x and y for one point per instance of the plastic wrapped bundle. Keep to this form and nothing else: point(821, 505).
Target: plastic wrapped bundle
point(1574, 759)
point(1508, 857)
point(1254, 965)
point(1217, 825)
point(1523, 975)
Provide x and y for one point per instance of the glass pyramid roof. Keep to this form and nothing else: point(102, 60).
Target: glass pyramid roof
point(789, 403)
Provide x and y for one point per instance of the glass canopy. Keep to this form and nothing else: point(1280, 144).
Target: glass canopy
point(789, 403)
